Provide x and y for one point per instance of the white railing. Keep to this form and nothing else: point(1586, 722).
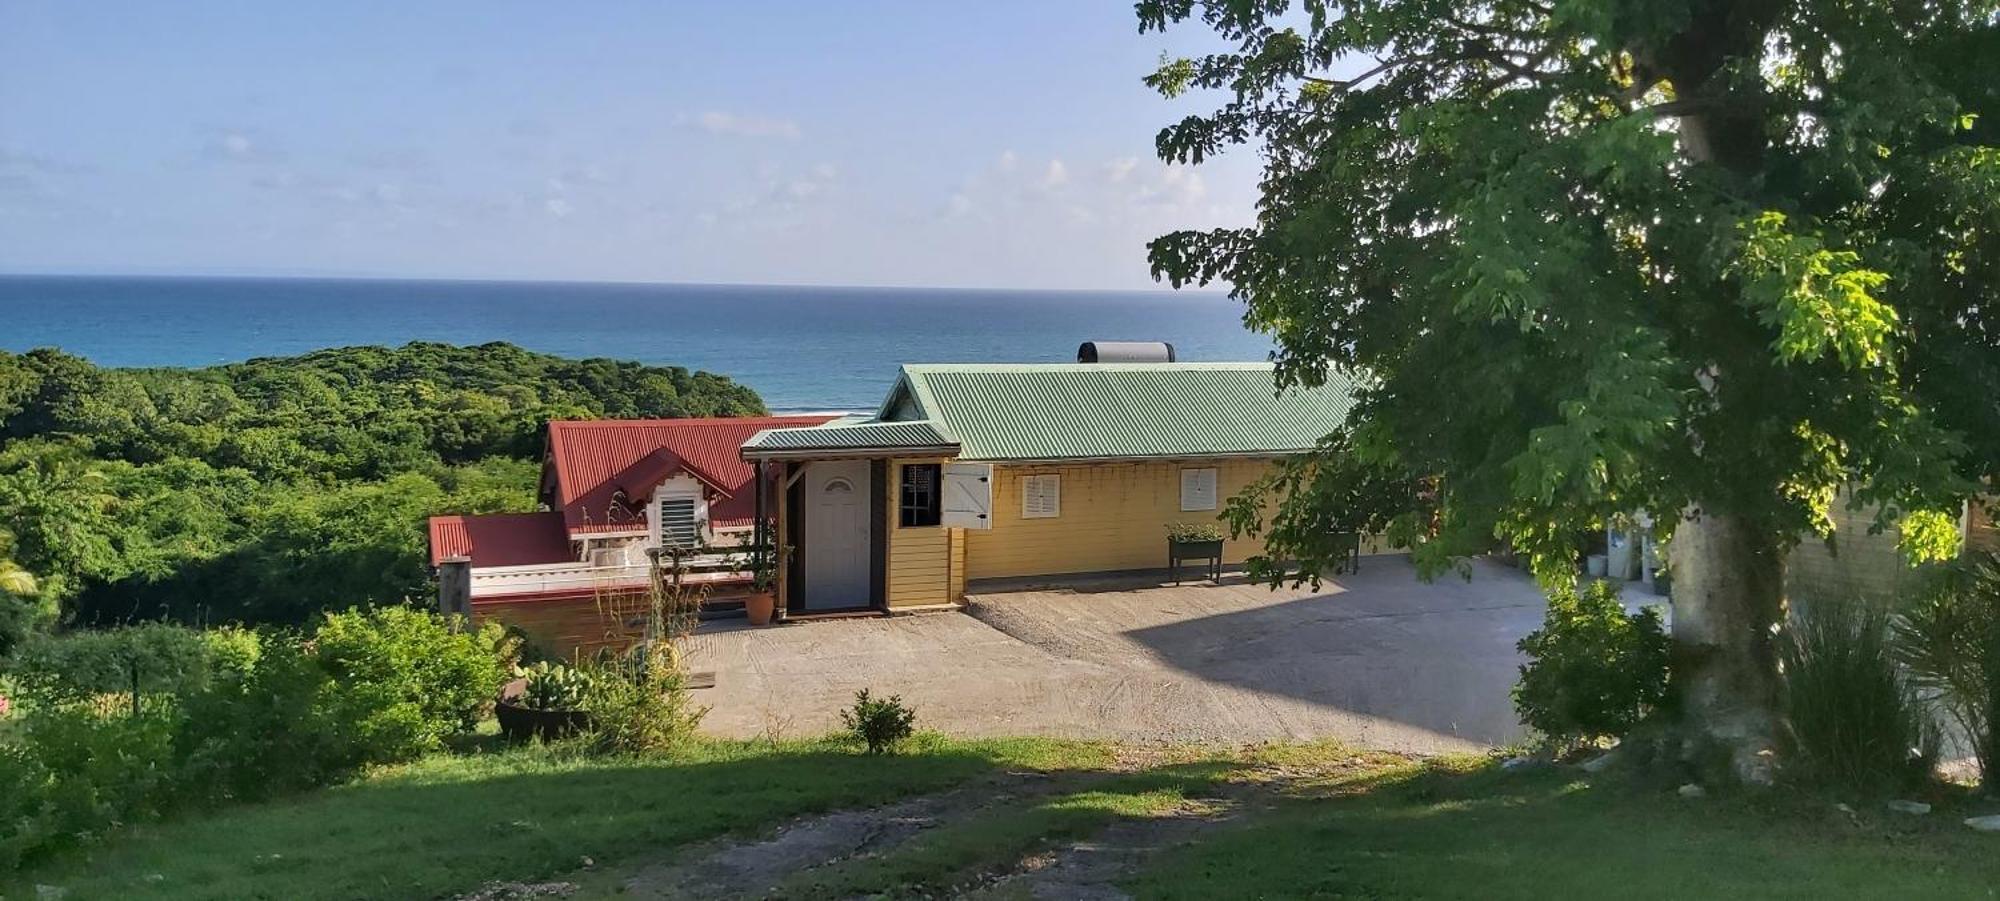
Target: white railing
point(493, 581)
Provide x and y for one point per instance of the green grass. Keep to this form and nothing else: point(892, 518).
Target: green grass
point(451, 823)
point(950, 855)
point(1326, 822)
point(1472, 831)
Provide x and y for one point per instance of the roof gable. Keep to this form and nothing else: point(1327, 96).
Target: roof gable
point(592, 461)
point(1061, 411)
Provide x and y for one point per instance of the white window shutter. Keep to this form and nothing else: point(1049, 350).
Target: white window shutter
point(1197, 489)
point(968, 496)
point(678, 524)
point(1041, 496)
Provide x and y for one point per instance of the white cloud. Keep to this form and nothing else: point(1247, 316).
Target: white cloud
point(1055, 176)
point(1117, 170)
point(238, 145)
point(558, 207)
point(721, 123)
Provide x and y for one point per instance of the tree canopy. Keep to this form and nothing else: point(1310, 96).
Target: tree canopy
point(270, 489)
point(1719, 261)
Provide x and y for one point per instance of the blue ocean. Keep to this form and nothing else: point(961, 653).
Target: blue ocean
point(802, 348)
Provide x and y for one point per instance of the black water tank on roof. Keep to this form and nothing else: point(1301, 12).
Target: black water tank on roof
point(1125, 352)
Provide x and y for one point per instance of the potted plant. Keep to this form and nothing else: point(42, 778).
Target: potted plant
point(1194, 541)
point(547, 701)
point(762, 602)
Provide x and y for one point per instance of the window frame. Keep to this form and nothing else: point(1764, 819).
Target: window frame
point(923, 513)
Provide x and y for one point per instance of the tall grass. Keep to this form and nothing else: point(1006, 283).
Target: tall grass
point(1950, 642)
point(1857, 722)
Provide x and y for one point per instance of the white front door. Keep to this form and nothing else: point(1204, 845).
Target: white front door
point(837, 535)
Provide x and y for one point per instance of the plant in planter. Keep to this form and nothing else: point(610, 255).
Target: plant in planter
point(553, 686)
point(763, 600)
point(548, 701)
point(1194, 541)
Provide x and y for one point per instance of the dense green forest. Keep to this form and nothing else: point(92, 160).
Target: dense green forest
point(268, 490)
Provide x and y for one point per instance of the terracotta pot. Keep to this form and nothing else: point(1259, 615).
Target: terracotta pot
point(522, 723)
point(760, 607)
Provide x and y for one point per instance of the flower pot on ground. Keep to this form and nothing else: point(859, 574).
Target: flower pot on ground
point(546, 703)
point(762, 602)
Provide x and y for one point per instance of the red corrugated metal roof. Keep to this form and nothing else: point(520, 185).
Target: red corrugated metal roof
point(593, 460)
point(501, 539)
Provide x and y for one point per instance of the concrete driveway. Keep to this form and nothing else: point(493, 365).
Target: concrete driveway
point(1379, 659)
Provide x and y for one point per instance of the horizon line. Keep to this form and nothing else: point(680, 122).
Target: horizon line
point(205, 276)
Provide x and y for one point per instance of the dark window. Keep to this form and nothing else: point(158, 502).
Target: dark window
point(920, 494)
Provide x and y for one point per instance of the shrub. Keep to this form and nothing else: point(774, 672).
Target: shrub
point(412, 677)
point(165, 659)
point(369, 687)
point(1950, 642)
point(1593, 672)
point(282, 726)
point(75, 773)
point(639, 702)
point(1856, 722)
point(881, 724)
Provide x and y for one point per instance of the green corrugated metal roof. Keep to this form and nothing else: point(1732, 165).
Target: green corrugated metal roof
point(835, 436)
point(1068, 411)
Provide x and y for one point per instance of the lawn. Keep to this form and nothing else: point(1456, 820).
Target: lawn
point(1304, 821)
point(451, 823)
point(1474, 831)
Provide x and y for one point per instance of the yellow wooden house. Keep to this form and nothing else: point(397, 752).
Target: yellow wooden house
point(970, 472)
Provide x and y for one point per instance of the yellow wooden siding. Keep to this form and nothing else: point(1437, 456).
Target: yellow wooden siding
point(1856, 565)
point(958, 564)
point(926, 563)
point(1981, 532)
point(1873, 566)
point(1113, 516)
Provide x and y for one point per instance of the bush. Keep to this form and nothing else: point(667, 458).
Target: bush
point(1593, 672)
point(230, 716)
point(639, 703)
point(1856, 723)
point(878, 723)
point(166, 659)
point(75, 773)
point(410, 678)
point(268, 731)
point(1950, 642)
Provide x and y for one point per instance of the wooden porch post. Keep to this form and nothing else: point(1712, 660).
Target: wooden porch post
point(758, 531)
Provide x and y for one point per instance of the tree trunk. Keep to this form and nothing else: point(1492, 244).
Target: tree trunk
point(1728, 593)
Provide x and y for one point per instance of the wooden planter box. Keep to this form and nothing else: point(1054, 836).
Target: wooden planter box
point(1210, 551)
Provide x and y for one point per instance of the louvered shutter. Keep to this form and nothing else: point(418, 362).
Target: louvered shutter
point(1197, 489)
point(678, 525)
point(1041, 496)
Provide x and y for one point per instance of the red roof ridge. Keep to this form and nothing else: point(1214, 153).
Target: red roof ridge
point(686, 421)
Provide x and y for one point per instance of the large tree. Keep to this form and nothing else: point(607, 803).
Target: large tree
point(1718, 261)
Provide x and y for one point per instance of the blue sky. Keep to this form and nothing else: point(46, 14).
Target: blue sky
point(871, 143)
